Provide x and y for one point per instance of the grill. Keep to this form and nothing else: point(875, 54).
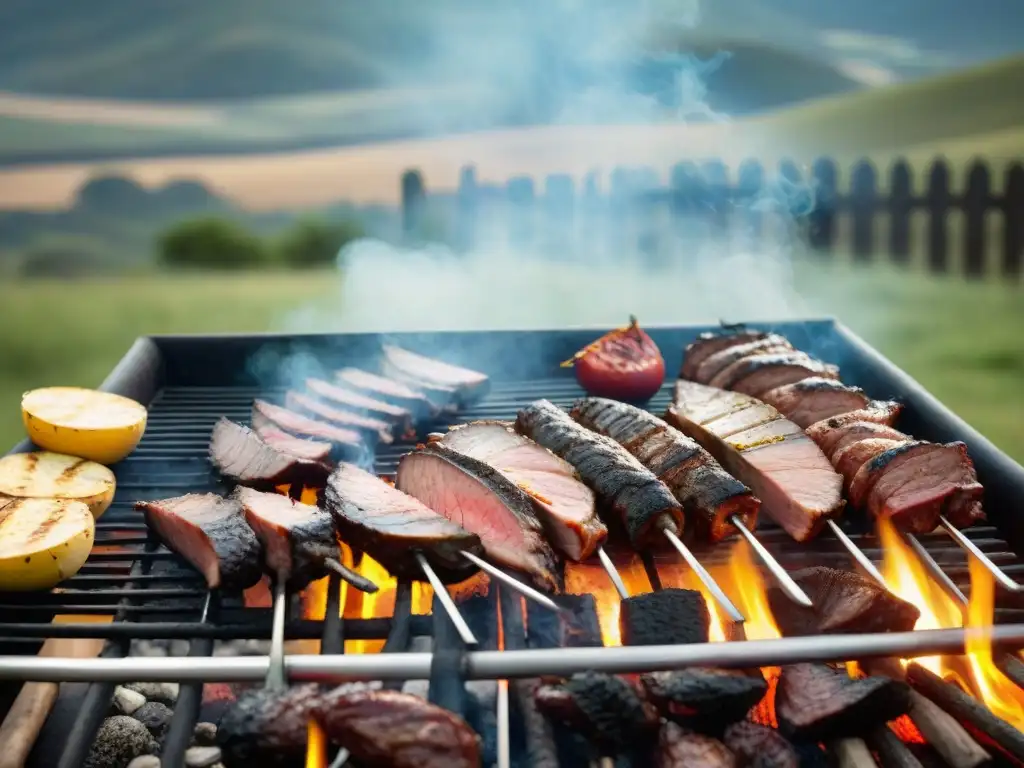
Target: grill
point(189, 381)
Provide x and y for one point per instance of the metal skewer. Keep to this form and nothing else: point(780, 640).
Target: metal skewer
point(972, 549)
point(935, 570)
point(791, 588)
point(341, 758)
point(523, 589)
point(276, 679)
point(504, 736)
point(706, 579)
point(357, 580)
point(446, 601)
point(613, 573)
point(858, 555)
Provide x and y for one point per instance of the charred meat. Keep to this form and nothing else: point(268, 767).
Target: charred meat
point(389, 391)
point(565, 506)
point(705, 698)
point(833, 440)
point(392, 526)
point(623, 485)
point(673, 616)
point(878, 412)
point(757, 374)
point(372, 430)
point(708, 344)
point(244, 457)
point(267, 729)
point(680, 748)
point(429, 373)
point(714, 364)
point(398, 417)
point(758, 746)
point(346, 442)
point(211, 534)
point(810, 400)
point(709, 495)
point(844, 603)
point(482, 500)
point(797, 486)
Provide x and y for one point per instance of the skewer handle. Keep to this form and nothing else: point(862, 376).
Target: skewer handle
point(790, 587)
point(446, 600)
point(523, 589)
point(857, 553)
point(972, 549)
point(706, 579)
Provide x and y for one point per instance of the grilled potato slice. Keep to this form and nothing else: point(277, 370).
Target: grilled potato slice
point(42, 542)
point(45, 475)
point(83, 422)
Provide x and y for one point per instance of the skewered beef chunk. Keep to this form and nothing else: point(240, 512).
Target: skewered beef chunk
point(211, 534)
point(565, 506)
point(815, 398)
point(719, 361)
point(679, 748)
point(607, 709)
point(757, 374)
point(397, 730)
point(844, 603)
point(575, 626)
point(758, 746)
point(709, 494)
point(815, 702)
point(425, 371)
point(343, 397)
point(797, 486)
point(295, 446)
point(244, 457)
point(391, 526)
point(666, 616)
point(388, 390)
point(849, 459)
point(296, 537)
point(345, 442)
point(622, 484)
point(267, 729)
point(708, 344)
point(373, 430)
point(831, 441)
point(703, 697)
point(484, 501)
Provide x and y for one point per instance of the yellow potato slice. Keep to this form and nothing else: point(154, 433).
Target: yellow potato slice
point(83, 422)
point(42, 542)
point(45, 475)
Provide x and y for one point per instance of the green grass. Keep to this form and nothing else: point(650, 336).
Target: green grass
point(961, 340)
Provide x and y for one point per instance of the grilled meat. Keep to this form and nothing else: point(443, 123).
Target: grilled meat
point(844, 603)
point(296, 537)
point(705, 698)
point(391, 526)
point(244, 457)
point(389, 391)
point(565, 506)
point(878, 412)
point(211, 534)
point(310, 450)
point(673, 616)
point(758, 746)
point(849, 459)
point(714, 364)
point(797, 486)
point(816, 703)
point(372, 430)
point(813, 399)
point(267, 729)
point(623, 485)
point(831, 441)
point(708, 344)
point(342, 397)
point(432, 374)
point(680, 748)
point(390, 729)
point(709, 495)
point(759, 373)
point(345, 442)
point(484, 501)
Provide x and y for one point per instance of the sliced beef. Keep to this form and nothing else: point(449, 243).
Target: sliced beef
point(296, 537)
point(398, 730)
point(481, 500)
point(705, 698)
point(680, 748)
point(566, 507)
point(844, 603)
point(814, 702)
point(758, 746)
point(849, 459)
point(419, 370)
point(759, 373)
point(392, 526)
point(878, 412)
point(244, 457)
point(275, 437)
point(813, 399)
point(343, 397)
point(872, 460)
point(372, 430)
point(709, 495)
point(624, 486)
point(346, 443)
point(719, 361)
point(831, 441)
point(797, 486)
point(667, 616)
point(708, 344)
point(209, 532)
point(267, 728)
point(389, 391)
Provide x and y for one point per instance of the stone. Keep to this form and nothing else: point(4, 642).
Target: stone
point(125, 702)
point(119, 740)
point(164, 693)
point(156, 717)
point(145, 761)
point(202, 757)
point(204, 735)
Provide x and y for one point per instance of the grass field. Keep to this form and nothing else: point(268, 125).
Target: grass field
point(962, 341)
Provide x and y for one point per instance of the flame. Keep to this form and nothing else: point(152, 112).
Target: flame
point(590, 579)
point(316, 745)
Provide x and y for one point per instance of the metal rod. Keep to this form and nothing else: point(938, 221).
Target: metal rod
point(497, 665)
point(972, 550)
point(523, 589)
point(446, 601)
point(276, 678)
point(857, 554)
point(935, 570)
point(504, 735)
point(790, 587)
point(341, 758)
point(357, 580)
point(706, 579)
point(613, 573)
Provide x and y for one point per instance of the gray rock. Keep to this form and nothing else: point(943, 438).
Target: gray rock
point(180, 647)
point(156, 717)
point(204, 735)
point(119, 741)
point(202, 757)
point(125, 702)
point(164, 693)
point(145, 761)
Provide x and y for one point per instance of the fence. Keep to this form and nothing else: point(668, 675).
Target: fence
point(707, 199)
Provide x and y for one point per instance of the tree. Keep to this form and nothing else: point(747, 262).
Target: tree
point(211, 243)
point(113, 195)
point(316, 243)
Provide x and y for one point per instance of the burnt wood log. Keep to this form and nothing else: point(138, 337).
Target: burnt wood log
point(1011, 666)
point(760, 746)
point(971, 713)
point(891, 751)
point(705, 698)
point(576, 626)
point(667, 616)
point(541, 749)
point(851, 753)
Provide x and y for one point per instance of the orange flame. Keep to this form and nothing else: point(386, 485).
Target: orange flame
point(591, 579)
point(316, 745)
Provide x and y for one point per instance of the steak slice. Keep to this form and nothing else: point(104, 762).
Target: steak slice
point(844, 603)
point(709, 495)
point(244, 457)
point(481, 500)
point(623, 485)
point(389, 391)
point(797, 486)
point(879, 412)
point(853, 456)
point(373, 430)
point(831, 441)
point(399, 418)
point(565, 506)
point(757, 374)
point(719, 361)
point(703, 697)
point(268, 728)
point(707, 344)
point(392, 526)
point(680, 748)
point(758, 746)
point(211, 534)
point(296, 537)
point(346, 443)
point(312, 450)
point(467, 385)
point(815, 398)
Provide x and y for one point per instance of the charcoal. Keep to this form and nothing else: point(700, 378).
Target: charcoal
point(705, 698)
point(204, 735)
point(758, 746)
point(119, 741)
point(576, 627)
point(814, 702)
point(679, 748)
point(668, 616)
point(156, 717)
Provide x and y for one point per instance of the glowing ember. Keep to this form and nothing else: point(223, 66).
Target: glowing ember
point(590, 579)
point(316, 746)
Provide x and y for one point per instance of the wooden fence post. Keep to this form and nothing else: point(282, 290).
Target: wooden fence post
point(1013, 221)
point(822, 218)
point(413, 203)
point(467, 209)
point(863, 200)
point(938, 200)
point(901, 205)
point(975, 202)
